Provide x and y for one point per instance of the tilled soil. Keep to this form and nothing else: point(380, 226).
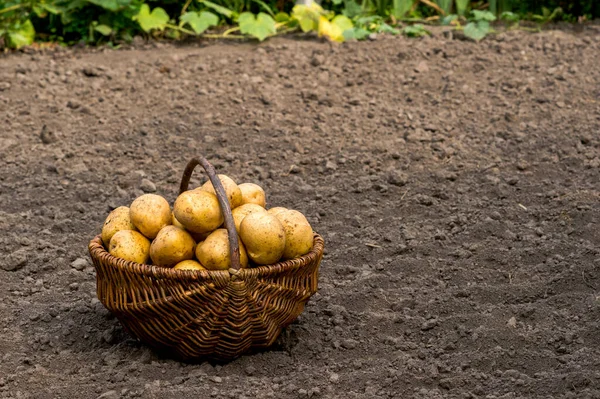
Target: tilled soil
point(456, 184)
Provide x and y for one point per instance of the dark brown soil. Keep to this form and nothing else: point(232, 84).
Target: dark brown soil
point(456, 184)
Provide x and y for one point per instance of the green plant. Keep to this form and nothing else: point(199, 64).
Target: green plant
point(417, 30)
point(479, 25)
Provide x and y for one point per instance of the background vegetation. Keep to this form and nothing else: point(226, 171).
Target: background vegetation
point(113, 21)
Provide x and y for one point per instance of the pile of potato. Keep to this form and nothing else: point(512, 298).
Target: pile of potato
point(192, 236)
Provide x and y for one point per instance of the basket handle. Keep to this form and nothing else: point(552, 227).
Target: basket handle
point(234, 248)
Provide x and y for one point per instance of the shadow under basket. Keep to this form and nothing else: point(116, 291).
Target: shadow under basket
point(216, 315)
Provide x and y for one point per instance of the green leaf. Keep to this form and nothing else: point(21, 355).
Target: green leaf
point(385, 28)
point(307, 16)
point(282, 17)
point(200, 21)
point(351, 9)
point(415, 31)
point(337, 2)
point(448, 19)
point(157, 19)
point(461, 7)
point(51, 8)
point(220, 9)
point(110, 5)
point(483, 16)
point(401, 7)
point(39, 11)
point(356, 33)
point(342, 22)
point(477, 30)
point(259, 27)
point(509, 16)
point(265, 7)
point(21, 34)
point(103, 29)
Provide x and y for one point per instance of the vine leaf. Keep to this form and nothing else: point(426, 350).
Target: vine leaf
point(307, 16)
point(477, 30)
point(21, 34)
point(157, 19)
point(260, 26)
point(226, 12)
point(200, 21)
point(334, 29)
point(103, 29)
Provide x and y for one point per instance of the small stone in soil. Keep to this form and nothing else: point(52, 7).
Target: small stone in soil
point(14, 261)
point(79, 264)
point(397, 178)
point(429, 324)
point(48, 136)
point(147, 186)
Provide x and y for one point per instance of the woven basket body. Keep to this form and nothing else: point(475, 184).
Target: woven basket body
point(216, 314)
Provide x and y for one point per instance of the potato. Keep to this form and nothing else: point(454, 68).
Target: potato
point(130, 245)
point(117, 220)
point(189, 265)
point(213, 253)
point(244, 210)
point(149, 213)
point(264, 237)
point(198, 211)
point(276, 210)
point(234, 194)
point(171, 246)
point(298, 234)
point(176, 222)
point(252, 194)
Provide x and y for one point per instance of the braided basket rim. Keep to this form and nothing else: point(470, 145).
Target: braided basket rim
point(98, 251)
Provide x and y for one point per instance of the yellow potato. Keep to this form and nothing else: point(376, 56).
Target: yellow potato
point(244, 210)
point(234, 194)
point(252, 194)
point(176, 222)
point(298, 234)
point(213, 253)
point(117, 220)
point(171, 246)
point(149, 213)
point(198, 211)
point(189, 265)
point(276, 210)
point(264, 237)
point(130, 245)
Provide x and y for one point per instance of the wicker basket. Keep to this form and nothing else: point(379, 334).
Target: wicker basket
point(206, 314)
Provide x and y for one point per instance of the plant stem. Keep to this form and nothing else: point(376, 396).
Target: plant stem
point(222, 36)
point(12, 8)
point(228, 31)
point(185, 6)
point(175, 27)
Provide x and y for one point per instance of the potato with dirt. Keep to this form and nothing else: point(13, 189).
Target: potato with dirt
point(298, 234)
point(233, 192)
point(189, 265)
point(213, 253)
point(116, 221)
point(264, 237)
point(171, 246)
point(176, 222)
point(149, 213)
point(242, 211)
point(198, 211)
point(276, 210)
point(252, 194)
point(130, 245)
